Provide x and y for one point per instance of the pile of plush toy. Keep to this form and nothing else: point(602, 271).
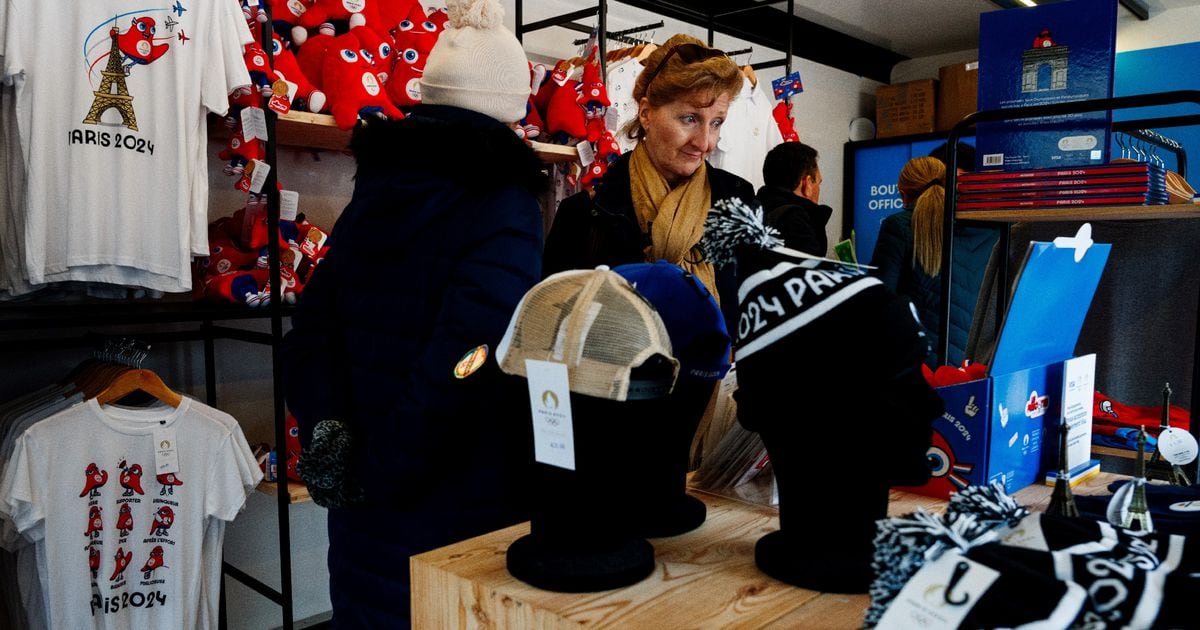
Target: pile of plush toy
point(348, 58)
point(236, 270)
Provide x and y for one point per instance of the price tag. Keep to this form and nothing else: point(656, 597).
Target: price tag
point(259, 176)
point(587, 155)
point(940, 595)
point(550, 402)
point(289, 205)
point(1177, 446)
point(166, 451)
point(254, 123)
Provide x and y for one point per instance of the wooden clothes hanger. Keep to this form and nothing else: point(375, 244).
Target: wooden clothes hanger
point(749, 72)
point(646, 50)
point(138, 379)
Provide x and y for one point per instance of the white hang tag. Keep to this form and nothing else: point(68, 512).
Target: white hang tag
point(289, 205)
point(940, 594)
point(550, 403)
point(587, 154)
point(1177, 446)
point(254, 123)
point(166, 451)
point(259, 177)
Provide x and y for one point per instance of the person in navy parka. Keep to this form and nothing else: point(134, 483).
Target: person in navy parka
point(411, 434)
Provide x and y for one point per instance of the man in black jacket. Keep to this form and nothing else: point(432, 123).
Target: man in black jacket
point(791, 197)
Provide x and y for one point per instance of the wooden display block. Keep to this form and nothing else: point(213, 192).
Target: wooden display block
point(705, 578)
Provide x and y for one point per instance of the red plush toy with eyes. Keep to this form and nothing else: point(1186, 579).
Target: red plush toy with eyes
point(377, 49)
point(383, 16)
point(414, 40)
point(288, 69)
point(351, 84)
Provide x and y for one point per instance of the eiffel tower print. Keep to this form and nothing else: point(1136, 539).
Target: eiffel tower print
point(106, 98)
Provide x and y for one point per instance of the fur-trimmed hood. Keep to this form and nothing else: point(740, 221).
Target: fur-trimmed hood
point(467, 147)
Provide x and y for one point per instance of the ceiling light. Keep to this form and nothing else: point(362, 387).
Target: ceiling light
point(1028, 3)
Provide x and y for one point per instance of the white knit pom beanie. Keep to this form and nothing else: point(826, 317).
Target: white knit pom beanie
point(477, 63)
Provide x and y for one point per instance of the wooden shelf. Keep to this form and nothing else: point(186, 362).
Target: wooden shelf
point(318, 131)
point(1082, 213)
point(297, 492)
point(315, 131)
point(551, 153)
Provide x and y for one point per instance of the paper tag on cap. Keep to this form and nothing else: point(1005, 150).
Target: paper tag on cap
point(550, 403)
point(166, 451)
point(1177, 446)
point(940, 594)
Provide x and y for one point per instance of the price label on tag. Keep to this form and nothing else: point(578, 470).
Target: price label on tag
point(1177, 446)
point(254, 123)
point(166, 451)
point(939, 595)
point(550, 402)
point(259, 176)
point(289, 205)
point(587, 155)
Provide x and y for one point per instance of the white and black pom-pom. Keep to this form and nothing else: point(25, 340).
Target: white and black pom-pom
point(974, 517)
point(989, 503)
point(731, 223)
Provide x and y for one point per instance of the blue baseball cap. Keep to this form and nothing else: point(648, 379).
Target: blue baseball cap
point(691, 315)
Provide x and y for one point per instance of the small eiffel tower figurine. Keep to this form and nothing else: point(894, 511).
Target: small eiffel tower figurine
point(112, 93)
point(1158, 467)
point(1138, 513)
point(1062, 502)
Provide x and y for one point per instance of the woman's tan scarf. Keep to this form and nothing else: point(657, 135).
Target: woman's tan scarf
point(674, 217)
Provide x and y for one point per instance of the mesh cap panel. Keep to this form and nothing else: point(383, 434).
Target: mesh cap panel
point(595, 323)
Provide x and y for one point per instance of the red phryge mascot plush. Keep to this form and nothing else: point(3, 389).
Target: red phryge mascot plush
point(377, 49)
point(414, 40)
point(285, 19)
point(325, 11)
point(288, 69)
point(351, 83)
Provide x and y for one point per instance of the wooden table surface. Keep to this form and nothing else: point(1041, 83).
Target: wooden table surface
point(705, 578)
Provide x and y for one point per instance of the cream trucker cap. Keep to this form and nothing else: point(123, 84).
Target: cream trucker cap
point(597, 324)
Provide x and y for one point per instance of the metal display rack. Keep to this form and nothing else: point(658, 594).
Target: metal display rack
point(750, 20)
point(1078, 213)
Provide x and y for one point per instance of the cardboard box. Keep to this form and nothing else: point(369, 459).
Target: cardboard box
point(1005, 427)
point(905, 108)
point(958, 91)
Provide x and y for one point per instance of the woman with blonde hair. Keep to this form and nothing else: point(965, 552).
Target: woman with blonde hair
point(652, 202)
point(908, 256)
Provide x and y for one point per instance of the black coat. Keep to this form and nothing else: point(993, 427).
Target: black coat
point(893, 259)
point(440, 241)
point(604, 230)
point(801, 223)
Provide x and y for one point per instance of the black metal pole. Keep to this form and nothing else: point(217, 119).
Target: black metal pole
point(282, 496)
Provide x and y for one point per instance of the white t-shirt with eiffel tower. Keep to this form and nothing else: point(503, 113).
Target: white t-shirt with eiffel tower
point(111, 129)
point(118, 545)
